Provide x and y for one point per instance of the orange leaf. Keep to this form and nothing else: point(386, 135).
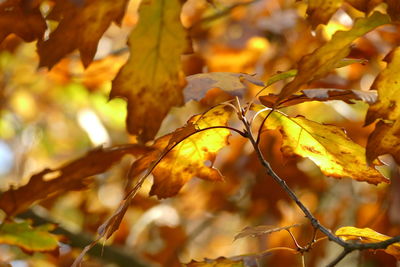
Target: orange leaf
point(80, 27)
point(22, 18)
point(367, 235)
point(75, 175)
point(152, 79)
point(327, 57)
point(189, 148)
point(220, 262)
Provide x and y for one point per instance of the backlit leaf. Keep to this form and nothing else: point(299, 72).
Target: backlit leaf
point(254, 231)
point(320, 11)
point(326, 145)
point(75, 175)
point(327, 57)
point(22, 18)
point(367, 235)
point(80, 27)
point(187, 158)
point(321, 94)
point(385, 139)
point(388, 85)
point(152, 79)
point(233, 83)
point(30, 239)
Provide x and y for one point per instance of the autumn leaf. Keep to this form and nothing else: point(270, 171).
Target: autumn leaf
point(326, 145)
point(233, 83)
point(367, 235)
point(80, 27)
point(255, 231)
point(321, 94)
point(189, 149)
point(388, 85)
point(327, 57)
point(22, 18)
point(220, 262)
point(385, 139)
point(320, 11)
point(75, 175)
point(364, 5)
point(152, 79)
point(30, 239)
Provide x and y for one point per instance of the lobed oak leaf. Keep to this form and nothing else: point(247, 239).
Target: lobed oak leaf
point(254, 231)
point(385, 139)
point(320, 11)
point(320, 94)
point(326, 145)
point(29, 239)
point(186, 151)
point(233, 83)
point(75, 175)
point(367, 235)
point(388, 85)
point(152, 79)
point(81, 26)
point(327, 57)
point(22, 18)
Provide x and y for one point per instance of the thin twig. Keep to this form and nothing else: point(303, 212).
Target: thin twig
point(339, 258)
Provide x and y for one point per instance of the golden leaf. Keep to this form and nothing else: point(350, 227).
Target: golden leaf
point(320, 11)
point(152, 79)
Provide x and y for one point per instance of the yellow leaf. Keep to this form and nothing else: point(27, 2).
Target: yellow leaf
point(388, 85)
point(152, 79)
point(327, 57)
point(80, 27)
point(189, 150)
point(367, 235)
point(320, 11)
point(326, 145)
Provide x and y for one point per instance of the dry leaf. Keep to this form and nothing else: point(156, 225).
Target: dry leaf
point(152, 79)
point(320, 11)
point(254, 231)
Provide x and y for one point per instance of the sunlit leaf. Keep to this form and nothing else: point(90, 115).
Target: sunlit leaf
point(321, 94)
point(75, 175)
point(233, 83)
point(192, 157)
point(254, 231)
point(367, 235)
point(80, 27)
point(327, 57)
point(30, 239)
point(320, 11)
point(22, 18)
point(388, 85)
point(152, 79)
point(385, 139)
point(326, 145)
point(220, 262)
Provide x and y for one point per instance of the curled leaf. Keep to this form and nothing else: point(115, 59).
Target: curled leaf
point(254, 231)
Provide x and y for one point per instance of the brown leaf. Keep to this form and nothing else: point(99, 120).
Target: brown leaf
point(152, 79)
point(327, 57)
point(22, 18)
point(233, 83)
point(388, 85)
point(321, 94)
point(80, 27)
point(254, 231)
point(320, 11)
point(385, 139)
point(75, 175)
point(364, 5)
point(220, 262)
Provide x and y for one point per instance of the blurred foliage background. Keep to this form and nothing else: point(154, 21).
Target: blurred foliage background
point(49, 117)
